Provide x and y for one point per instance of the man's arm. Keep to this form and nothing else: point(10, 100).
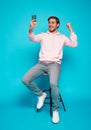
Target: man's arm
point(32, 36)
point(72, 41)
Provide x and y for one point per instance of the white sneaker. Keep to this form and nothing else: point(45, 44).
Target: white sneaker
point(41, 100)
point(55, 117)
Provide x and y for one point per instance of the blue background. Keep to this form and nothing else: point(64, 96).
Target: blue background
point(18, 55)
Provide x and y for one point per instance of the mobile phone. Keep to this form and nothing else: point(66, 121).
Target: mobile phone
point(34, 17)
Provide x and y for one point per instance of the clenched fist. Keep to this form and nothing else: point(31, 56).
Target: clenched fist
point(69, 27)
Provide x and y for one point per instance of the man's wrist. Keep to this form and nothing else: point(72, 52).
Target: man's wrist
point(71, 31)
point(30, 30)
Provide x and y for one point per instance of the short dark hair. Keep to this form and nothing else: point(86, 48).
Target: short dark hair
point(54, 17)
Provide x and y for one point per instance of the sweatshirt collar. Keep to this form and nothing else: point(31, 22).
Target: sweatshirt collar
point(56, 33)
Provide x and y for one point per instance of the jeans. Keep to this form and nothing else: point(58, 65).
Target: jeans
point(53, 70)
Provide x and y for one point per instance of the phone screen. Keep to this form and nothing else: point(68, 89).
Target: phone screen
point(34, 17)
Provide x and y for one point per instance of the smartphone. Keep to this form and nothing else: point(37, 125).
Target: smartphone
point(34, 17)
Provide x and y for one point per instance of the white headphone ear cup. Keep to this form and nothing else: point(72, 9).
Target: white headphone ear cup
point(57, 25)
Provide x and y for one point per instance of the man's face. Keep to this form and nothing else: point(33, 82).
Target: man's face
point(52, 24)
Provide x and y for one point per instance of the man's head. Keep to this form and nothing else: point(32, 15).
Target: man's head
point(53, 23)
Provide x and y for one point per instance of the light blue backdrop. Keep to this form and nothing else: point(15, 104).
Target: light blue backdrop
point(18, 54)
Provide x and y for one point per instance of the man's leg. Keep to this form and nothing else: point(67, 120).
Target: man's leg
point(54, 72)
point(31, 75)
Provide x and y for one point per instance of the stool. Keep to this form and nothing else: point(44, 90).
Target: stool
point(50, 100)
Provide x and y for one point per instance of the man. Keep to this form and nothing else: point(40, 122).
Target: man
point(50, 56)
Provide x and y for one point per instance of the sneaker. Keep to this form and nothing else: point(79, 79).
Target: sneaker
point(55, 117)
point(41, 100)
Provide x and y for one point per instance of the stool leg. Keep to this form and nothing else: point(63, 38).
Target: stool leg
point(62, 103)
point(50, 103)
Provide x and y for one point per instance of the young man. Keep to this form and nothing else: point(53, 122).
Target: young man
point(50, 56)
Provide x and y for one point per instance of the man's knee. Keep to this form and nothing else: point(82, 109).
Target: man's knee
point(25, 80)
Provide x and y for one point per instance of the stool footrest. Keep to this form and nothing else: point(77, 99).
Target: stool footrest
point(48, 97)
point(47, 102)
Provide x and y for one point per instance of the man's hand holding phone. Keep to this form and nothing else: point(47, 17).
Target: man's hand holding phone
point(33, 23)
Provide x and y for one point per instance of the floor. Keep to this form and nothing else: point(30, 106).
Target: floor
point(22, 115)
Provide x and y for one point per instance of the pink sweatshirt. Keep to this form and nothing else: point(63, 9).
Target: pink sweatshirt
point(52, 45)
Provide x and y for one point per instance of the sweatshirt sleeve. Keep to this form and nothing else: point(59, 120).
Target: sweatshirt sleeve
point(35, 38)
point(72, 41)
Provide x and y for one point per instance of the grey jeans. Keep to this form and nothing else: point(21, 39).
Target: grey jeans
point(53, 70)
